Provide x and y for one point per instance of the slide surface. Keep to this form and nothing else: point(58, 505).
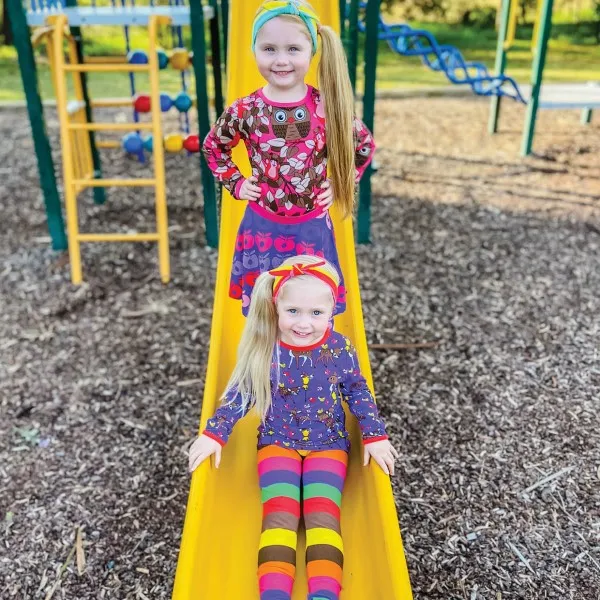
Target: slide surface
point(218, 555)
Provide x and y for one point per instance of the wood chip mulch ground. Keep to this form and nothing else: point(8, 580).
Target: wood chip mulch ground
point(492, 258)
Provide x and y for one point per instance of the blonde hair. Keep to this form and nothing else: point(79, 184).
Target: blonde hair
point(251, 377)
point(338, 99)
point(336, 90)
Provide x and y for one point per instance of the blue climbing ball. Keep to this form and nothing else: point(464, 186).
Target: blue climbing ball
point(163, 59)
point(165, 102)
point(133, 143)
point(137, 57)
point(183, 102)
point(149, 144)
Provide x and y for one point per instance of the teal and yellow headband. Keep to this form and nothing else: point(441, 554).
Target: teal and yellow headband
point(275, 8)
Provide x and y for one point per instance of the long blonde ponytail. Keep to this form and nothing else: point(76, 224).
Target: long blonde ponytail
point(336, 90)
point(251, 376)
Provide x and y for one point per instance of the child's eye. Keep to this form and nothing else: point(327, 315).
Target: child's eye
point(269, 49)
point(292, 311)
point(294, 48)
point(316, 313)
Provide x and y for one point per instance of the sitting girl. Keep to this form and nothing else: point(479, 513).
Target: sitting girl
point(295, 371)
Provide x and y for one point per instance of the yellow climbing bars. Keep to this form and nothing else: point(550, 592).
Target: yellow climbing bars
point(78, 169)
point(513, 18)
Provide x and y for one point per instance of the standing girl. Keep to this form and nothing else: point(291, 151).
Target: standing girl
point(293, 133)
point(295, 372)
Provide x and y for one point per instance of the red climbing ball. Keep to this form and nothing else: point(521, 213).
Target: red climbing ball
point(141, 103)
point(192, 143)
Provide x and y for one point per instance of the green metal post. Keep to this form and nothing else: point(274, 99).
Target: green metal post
point(208, 182)
point(352, 43)
point(343, 24)
point(586, 116)
point(371, 47)
point(43, 152)
point(215, 43)
point(500, 64)
point(537, 76)
point(225, 25)
point(99, 192)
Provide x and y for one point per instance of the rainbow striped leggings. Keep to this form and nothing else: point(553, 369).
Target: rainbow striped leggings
point(284, 476)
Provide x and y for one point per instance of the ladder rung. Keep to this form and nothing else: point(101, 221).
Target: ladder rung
point(111, 102)
point(118, 237)
point(110, 126)
point(107, 144)
point(126, 68)
point(114, 182)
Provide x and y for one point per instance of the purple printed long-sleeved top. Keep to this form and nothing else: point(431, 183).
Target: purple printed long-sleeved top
point(287, 149)
point(306, 411)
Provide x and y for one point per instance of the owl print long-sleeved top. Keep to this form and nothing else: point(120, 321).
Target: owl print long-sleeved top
point(287, 149)
point(309, 385)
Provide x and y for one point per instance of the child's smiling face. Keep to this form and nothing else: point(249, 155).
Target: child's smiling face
point(305, 306)
point(283, 52)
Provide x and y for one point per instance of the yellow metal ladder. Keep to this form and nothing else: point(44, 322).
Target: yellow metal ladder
point(78, 170)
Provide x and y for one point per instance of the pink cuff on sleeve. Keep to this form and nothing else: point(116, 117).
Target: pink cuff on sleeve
point(212, 436)
point(378, 438)
point(236, 189)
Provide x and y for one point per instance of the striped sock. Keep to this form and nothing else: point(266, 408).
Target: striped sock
point(279, 472)
point(323, 476)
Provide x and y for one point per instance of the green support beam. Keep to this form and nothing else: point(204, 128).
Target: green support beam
point(215, 42)
point(99, 192)
point(35, 111)
point(343, 24)
point(371, 47)
point(537, 76)
point(352, 42)
point(586, 116)
point(208, 181)
point(225, 25)
point(500, 65)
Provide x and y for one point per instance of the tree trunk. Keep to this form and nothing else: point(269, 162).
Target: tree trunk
point(6, 30)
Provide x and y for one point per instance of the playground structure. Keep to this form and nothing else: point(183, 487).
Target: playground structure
point(41, 15)
point(540, 97)
point(78, 167)
point(364, 17)
point(222, 523)
point(358, 17)
point(406, 41)
point(57, 25)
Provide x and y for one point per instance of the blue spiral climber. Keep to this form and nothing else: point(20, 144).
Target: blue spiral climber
point(406, 41)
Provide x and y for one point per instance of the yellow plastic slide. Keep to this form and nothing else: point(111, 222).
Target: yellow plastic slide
point(218, 556)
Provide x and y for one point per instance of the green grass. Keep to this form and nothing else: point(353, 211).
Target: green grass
point(573, 56)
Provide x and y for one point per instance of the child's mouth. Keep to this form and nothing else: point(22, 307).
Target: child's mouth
point(299, 334)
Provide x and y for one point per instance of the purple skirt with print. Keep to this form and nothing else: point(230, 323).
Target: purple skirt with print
point(264, 241)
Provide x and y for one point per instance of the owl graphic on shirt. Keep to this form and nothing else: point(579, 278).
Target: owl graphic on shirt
point(291, 124)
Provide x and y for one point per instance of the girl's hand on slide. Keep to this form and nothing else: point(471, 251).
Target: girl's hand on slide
point(325, 198)
point(383, 453)
point(249, 190)
point(201, 449)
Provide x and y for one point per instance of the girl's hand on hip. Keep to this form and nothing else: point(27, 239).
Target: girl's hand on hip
point(325, 198)
point(249, 190)
point(383, 453)
point(201, 449)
